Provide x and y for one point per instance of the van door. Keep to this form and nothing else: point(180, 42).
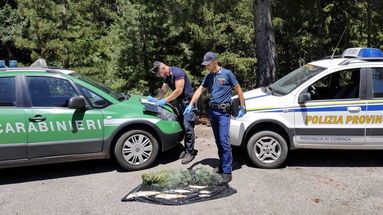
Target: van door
point(53, 128)
point(335, 115)
point(374, 130)
point(13, 134)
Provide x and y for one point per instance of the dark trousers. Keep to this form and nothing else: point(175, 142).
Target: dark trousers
point(220, 123)
point(188, 124)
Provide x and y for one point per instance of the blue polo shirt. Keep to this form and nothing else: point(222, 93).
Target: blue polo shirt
point(219, 85)
point(178, 74)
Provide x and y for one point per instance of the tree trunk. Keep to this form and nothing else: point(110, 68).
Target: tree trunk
point(265, 43)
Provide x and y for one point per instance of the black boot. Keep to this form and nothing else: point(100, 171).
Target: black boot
point(217, 170)
point(182, 155)
point(188, 158)
point(225, 179)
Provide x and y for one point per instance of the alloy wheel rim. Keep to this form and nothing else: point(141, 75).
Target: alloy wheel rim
point(137, 149)
point(267, 149)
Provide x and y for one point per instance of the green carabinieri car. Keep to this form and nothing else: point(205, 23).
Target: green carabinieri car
point(51, 115)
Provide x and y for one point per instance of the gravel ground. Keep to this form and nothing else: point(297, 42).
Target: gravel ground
point(312, 182)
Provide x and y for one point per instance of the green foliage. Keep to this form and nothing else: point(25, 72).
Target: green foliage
point(66, 33)
point(11, 26)
point(180, 177)
point(309, 30)
point(116, 41)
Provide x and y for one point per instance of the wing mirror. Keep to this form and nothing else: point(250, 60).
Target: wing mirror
point(77, 102)
point(304, 97)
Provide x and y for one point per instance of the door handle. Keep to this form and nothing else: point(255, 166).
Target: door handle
point(37, 118)
point(354, 109)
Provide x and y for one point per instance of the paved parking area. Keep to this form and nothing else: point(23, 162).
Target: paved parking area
point(312, 182)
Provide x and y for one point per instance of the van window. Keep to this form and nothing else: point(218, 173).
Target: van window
point(338, 85)
point(50, 92)
point(377, 82)
point(7, 91)
point(96, 100)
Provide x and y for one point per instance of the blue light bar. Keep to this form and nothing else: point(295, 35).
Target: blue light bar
point(362, 53)
point(2, 64)
point(12, 63)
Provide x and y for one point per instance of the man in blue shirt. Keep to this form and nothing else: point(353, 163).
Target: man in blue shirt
point(177, 80)
point(219, 83)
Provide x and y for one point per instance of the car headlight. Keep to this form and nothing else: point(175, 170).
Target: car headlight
point(161, 113)
point(166, 115)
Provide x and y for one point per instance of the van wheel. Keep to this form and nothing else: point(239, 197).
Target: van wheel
point(267, 149)
point(136, 149)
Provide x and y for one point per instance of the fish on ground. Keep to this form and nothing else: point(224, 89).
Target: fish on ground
point(197, 187)
point(169, 196)
point(142, 194)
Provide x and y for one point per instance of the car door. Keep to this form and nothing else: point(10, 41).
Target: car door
point(334, 116)
point(13, 134)
point(374, 130)
point(53, 128)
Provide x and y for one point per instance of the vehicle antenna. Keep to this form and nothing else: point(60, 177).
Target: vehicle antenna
point(332, 56)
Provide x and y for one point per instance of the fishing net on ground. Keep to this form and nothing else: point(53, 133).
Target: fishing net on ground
point(179, 187)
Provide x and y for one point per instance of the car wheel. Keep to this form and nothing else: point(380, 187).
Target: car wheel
point(267, 149)
point(136, 149)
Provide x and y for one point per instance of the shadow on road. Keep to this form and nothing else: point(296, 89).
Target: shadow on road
point(320, 158)
point(51, 171)
point(62, 170)
point(240, 158)
point(301, 158)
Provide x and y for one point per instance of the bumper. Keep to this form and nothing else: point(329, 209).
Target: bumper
point(168, 141)
point(237, 130)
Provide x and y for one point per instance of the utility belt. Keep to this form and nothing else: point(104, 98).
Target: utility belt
point(225, 107)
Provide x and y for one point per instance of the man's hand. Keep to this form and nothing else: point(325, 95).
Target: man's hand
point(151, 99)
point(241, 112)
point(161, 102)
point(188, 109)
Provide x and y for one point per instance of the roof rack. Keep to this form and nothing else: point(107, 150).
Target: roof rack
point(39, 64)
point(360, 60)
point(331, 57)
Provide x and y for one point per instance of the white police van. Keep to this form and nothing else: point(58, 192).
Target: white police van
point(334, 103)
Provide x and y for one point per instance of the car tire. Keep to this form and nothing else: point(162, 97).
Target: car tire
point(267, 149)
point(136, 149)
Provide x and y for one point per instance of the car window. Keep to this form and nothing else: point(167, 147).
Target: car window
point(50, 92)
point(7, 91)
point(117, 95)
point(377, 82)
point(339, 85)
point(96, 100)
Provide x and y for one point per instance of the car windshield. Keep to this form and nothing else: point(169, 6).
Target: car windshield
point(115, 94)
point(294, 79)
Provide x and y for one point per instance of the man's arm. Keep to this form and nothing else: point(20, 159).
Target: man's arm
point(164, 89)
point(197, 94)
point(178, 91)
point(239, 92)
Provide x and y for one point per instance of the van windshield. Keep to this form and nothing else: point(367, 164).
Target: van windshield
point(294, 79)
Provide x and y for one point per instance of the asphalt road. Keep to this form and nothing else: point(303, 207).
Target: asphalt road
point(312, 182)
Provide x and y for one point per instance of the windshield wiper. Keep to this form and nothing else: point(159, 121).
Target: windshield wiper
point(123, 97)
point(273, 91)
point(269, 89)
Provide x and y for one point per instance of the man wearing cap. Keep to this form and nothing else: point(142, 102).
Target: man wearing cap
point(219, 83)
point(177, 80)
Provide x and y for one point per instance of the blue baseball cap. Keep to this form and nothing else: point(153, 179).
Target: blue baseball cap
point(156, 67)
point(208, 58)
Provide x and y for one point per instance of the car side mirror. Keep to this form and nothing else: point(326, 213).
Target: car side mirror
point(304, 97)
point(77, 102)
